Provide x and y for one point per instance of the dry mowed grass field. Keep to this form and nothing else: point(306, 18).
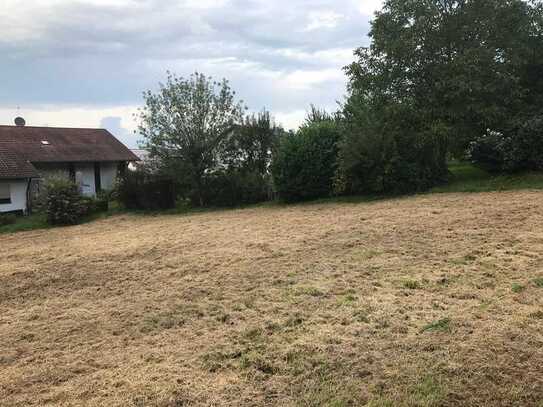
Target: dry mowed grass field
point(435, 300)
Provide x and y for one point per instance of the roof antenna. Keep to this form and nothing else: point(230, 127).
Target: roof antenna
point(19, 121)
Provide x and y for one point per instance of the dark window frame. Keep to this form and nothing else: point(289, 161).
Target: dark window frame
point(97, 178)
point(71, 171)
point(6, 201)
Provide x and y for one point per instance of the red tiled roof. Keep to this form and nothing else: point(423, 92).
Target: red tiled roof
point(53, 144)
point(14, 166)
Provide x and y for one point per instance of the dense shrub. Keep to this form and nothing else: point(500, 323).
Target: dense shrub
point(96, 204)
point(241, 174)
point(516, 149)
point(101, 202)
point(233, 188)
point(527, 148)
point(64, 204)
point(390, 151)
point(141, 190)
point(305, 163)
point(488, 151)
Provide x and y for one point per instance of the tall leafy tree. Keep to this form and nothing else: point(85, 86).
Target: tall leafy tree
point(464, 64)
point(316, 115)
point(186, 124)
point(251, 144)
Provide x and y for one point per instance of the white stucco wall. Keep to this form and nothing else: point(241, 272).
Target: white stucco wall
point(18, 196)
point(108, 175)
point(48, 170)
point(84, 174)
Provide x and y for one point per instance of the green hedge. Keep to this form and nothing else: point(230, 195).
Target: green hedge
point(305, 164)
point(139, 190)
point(234, 188)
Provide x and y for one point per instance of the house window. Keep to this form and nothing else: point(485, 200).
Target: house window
point(5, 194)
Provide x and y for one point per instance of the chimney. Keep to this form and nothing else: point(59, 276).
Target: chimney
point(20, 122)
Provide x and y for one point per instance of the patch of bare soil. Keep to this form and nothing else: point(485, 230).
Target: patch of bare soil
point(435, 300)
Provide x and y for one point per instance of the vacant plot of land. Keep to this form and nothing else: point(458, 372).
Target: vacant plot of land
point(426, 301)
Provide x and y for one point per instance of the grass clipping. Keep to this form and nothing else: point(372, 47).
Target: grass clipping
point(434, 300)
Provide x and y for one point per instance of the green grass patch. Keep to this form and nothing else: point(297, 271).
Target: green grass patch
point(538, 282)
point(411, 284)
point(381, 402)
point(257, 360)
point(362, 315)
point(428, 392)
point(25, 223)
point(465, 177)
point(348, 300)
point(443, 325)
point(38, 221)
point(517, 288)
point(160, 322)
point(309, 291)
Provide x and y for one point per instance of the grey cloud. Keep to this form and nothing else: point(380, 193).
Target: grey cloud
point(113, 124)
point(108, 54)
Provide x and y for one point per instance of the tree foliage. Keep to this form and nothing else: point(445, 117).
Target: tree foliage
point(250, 145)
point(306, 162)
point(389, 149)
point(244, 174)
point(467, 64)
point(186, 124)
point(519, 148)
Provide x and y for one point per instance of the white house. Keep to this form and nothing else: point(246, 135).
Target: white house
point(91, 157)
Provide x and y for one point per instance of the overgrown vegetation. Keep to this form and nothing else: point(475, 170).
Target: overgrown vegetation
point(439, 80)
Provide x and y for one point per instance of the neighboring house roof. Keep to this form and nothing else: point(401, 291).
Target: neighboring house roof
point(53, 144)
point(143, 155)
point(21, 146)
point(13, 166)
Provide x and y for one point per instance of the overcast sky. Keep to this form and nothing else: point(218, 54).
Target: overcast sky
point(85, 63)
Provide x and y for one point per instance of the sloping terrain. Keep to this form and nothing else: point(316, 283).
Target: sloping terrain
point(434, 300)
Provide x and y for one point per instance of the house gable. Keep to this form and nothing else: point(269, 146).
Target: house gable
point(52, 144)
